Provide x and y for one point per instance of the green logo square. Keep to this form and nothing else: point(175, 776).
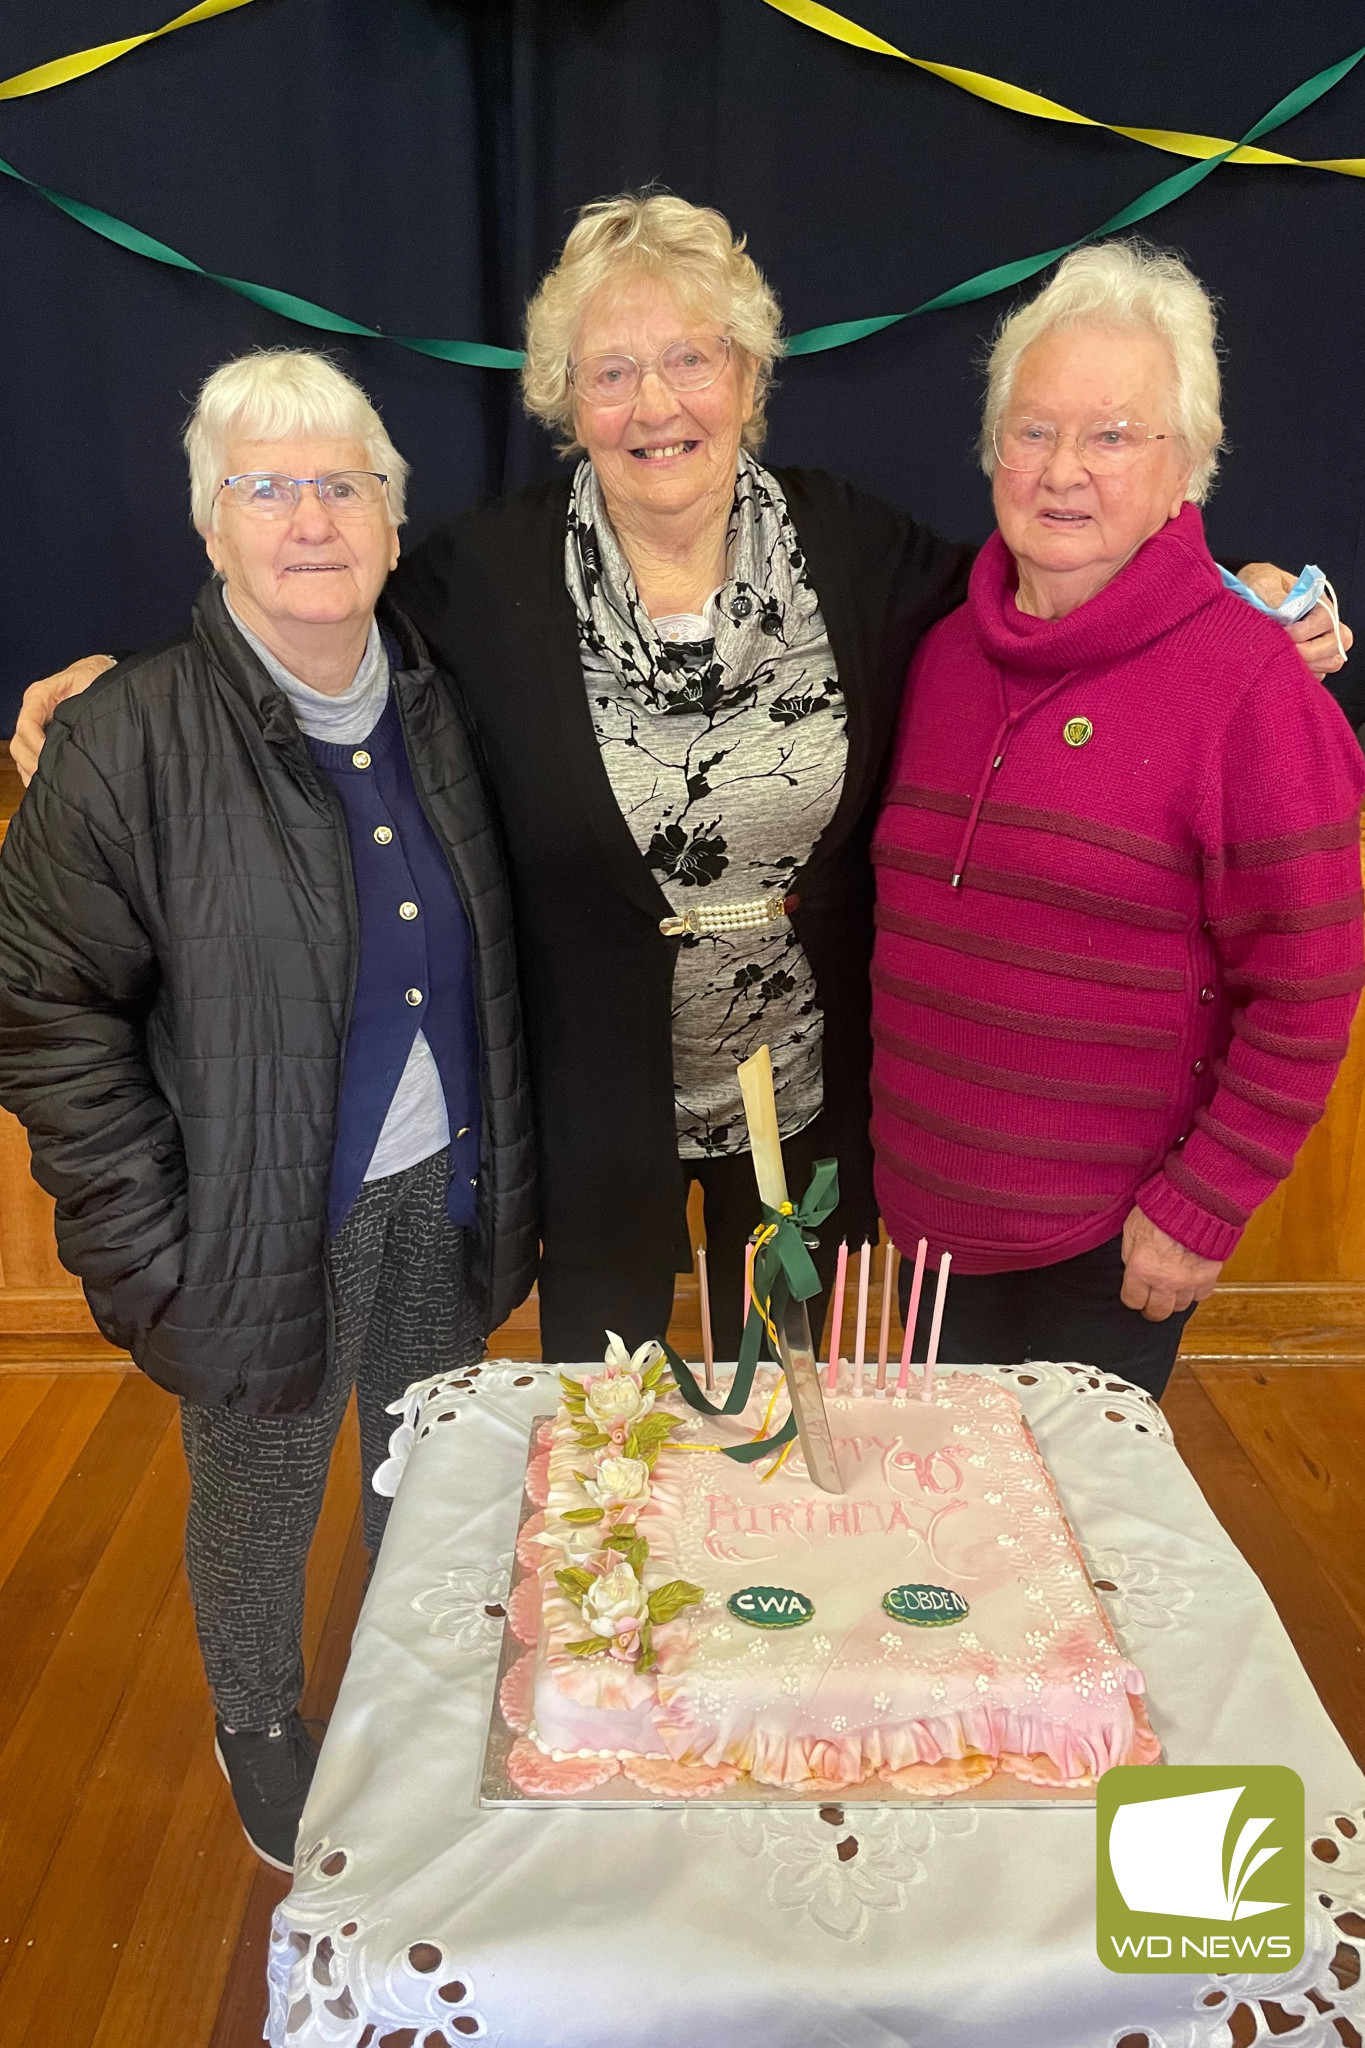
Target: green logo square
point(1199, 1869)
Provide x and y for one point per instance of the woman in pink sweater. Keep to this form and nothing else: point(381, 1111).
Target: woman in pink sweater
point(1118, 869)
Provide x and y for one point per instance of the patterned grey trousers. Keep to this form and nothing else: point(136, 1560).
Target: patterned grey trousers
point(256, 1483)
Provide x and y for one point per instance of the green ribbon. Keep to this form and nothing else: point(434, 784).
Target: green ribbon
point(986, 282)
point(482, 355)
point(478, 353)
point(782, 1265)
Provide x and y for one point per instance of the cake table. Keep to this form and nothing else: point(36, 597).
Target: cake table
point(419, 1917)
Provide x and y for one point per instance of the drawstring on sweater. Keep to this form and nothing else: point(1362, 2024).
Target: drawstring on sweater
point(995, 759)
point(996, 756)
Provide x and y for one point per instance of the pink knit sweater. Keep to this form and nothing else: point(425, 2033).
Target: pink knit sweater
point(1140, 988)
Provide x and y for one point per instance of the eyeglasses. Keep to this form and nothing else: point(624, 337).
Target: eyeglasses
point(688, 365)
point(1103, 447)
point(267, 494)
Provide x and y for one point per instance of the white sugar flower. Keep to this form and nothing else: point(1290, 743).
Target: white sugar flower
point(619, 1480)
point(615, 1604)
point(616, 1398)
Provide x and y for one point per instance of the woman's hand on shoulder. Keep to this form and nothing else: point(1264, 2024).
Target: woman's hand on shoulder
point(1312, 634)
point(1160, 1276)
point(41, 700)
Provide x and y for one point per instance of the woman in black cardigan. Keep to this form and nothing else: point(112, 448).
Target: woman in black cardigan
point(685, 672)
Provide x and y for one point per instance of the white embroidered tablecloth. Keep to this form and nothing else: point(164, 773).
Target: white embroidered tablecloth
point(418, 1919)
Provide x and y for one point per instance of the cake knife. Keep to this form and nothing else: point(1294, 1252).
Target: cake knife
point(790, 1318)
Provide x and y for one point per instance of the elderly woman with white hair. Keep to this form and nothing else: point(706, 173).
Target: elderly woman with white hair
point(258, 1012)
point(685, 669)
point(1118, 866)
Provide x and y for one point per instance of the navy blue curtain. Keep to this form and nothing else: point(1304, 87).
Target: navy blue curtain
point(416, 163)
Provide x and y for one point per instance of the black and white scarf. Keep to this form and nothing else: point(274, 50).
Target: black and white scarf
point(726, 753)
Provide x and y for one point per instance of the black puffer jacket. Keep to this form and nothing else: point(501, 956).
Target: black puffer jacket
point(177, 949)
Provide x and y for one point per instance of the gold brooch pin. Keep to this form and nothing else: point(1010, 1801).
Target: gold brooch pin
point(1077, 731)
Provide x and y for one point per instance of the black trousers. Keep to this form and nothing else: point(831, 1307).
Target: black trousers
point(634, 1296)
point(256, 1482)
point(1070, 1311)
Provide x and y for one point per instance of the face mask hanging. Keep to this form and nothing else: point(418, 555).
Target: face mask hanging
point(1312, 588)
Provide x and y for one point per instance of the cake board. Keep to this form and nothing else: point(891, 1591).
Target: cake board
point(497, 1789)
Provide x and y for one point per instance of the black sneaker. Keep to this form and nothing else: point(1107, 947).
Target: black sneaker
point(269, 1770)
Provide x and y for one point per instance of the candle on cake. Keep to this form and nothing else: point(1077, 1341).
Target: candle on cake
point(931, 1355)
point(860, 1337)
point(912, 1315)
point(707, 1343)
point(836, 1336)
point(888, 1293)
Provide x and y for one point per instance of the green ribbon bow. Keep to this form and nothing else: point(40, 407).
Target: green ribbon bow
point(783, 1268)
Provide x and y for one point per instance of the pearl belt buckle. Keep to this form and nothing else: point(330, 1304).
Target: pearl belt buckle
point(710, 920)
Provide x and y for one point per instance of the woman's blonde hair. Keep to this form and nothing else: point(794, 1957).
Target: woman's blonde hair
point(1126, 285)
point(692, 249)
point(274, 394)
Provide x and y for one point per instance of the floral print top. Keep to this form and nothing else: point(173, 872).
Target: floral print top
point(724, 740)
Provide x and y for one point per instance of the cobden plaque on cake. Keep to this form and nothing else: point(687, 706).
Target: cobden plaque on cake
point(629, 1674)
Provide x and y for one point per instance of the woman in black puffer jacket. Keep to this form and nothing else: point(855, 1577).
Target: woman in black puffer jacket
point(258, 1012)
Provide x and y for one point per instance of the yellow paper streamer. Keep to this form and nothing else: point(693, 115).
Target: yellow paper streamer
point(62, 70)
point(1018, 101)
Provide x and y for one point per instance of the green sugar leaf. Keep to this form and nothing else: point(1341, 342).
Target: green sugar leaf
point(593, 1646)
point(621, 1537)
point(650, 1380)
point(574, 1582)
point(637, 1557)
point(582, 1515)
point(666, 1601)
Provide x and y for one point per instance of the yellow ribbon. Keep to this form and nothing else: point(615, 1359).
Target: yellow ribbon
point(62, 70)
point(1014, 97)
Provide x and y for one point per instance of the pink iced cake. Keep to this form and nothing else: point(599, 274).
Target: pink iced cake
point(690, 1618)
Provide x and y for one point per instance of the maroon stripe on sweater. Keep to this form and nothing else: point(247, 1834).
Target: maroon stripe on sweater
point(1269, 1099)
point(982, 1198)
point(1052, 1087)
point(1264, 853)
point(1260, 1156)
point(1064, 824)
point(1033, 888)
point(1033, 1023)
point(1280, 1045)
point(1202, 1193)
point(1311, 989)
point(1073, 966)
point(1307, 917)
point(1011, 1143)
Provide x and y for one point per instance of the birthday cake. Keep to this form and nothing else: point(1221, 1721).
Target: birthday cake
point(689, 1619)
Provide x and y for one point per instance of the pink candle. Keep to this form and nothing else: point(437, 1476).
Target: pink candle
point(707, 1347)
point(911, 1314)
point(860, 1342)
point(748, 1278)
point(837, 1322)
point(888, 1292)
point(931, 1356)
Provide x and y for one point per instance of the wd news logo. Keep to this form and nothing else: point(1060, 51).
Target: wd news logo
point(1200, 1868)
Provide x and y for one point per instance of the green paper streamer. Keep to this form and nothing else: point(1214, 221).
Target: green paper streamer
point(986, 282)
point(813, 341)
point(481, 355)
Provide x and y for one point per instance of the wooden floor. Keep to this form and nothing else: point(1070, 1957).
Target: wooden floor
point(132, 1913)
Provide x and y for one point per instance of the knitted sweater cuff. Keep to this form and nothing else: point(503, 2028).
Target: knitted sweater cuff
point(1208, 1236)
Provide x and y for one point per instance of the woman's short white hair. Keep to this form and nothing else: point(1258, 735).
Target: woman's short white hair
point(279, 394)
point(695, 252)
point(1125, 285)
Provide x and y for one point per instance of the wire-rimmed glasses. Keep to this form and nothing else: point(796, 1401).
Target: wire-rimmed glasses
point(688, 365)
point(268, 494)
point(1102, 447)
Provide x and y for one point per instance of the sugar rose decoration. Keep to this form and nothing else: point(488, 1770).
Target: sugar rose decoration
point(621, 1429)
